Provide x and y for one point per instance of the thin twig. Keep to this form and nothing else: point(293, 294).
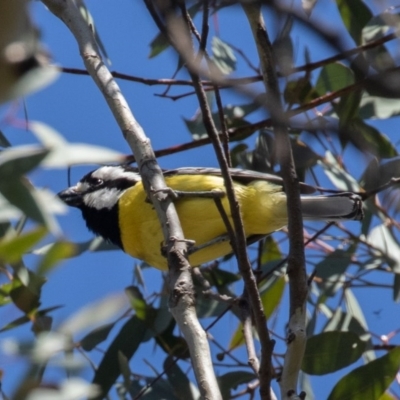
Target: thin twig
point(296, 261)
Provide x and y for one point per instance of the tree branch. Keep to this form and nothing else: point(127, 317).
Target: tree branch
point(182, 293)
point(296, 339)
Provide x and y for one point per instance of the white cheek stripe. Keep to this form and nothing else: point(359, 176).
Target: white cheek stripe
point(104, 198)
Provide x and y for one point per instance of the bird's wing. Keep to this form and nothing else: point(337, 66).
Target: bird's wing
point(238, 175)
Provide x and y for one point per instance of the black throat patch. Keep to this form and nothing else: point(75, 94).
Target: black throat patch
point(104, 223)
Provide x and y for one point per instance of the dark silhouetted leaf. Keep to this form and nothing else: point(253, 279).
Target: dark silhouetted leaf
point(127, 342)
point(348, 107)
point(299, 92)
point(232, 380)
point(396, 288)
point(183, 388)
point(342, 321)
point(331, 351)
point(331, 271)
point(369, 381)
point(355, 15)
point(96, 336)
point(367, 139)
point(378, 57)
point(333, 77)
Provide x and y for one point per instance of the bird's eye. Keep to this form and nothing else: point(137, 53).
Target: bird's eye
point(95, 181)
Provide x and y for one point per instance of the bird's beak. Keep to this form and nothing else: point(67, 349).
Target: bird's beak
point(71, 196)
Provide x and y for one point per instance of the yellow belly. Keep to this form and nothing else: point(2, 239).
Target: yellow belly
point(263, 207)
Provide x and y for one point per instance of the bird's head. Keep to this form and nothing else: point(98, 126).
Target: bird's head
point(101, 188)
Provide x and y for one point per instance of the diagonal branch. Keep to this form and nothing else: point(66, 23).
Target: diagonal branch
point(182, 293)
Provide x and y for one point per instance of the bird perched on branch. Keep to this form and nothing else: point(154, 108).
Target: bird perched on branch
point(115, 206)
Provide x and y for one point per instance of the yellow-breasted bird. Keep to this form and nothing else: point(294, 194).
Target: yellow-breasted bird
point(115, 206)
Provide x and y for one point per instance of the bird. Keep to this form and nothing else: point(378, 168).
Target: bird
point(115, 206)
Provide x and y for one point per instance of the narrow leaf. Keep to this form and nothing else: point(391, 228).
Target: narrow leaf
point(331, 351)
point(369, 381)
point(12, 249)
point(126, 342)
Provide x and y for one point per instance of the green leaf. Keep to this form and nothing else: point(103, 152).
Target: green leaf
point(334, 77)
point(342, 321)
point(94, 314)
point(22, 195)
point(172, 345)
point(237, 338)
point(378, 57)
point(299, 91)
point(271, 294)
point(137, 301)
point(5, 289)
point(270, 251)
point(374, 107)
point(125, 370)
point(369, 381)
point(96, 336)
point(382, 239)
point(337, 175)
point(348, 107)
point(64, 154)
point(354, 309)
point(87, 16)
point(23, 320)
point(396, 288)
point(12, 249)
point(14, 324)
point(152, 390)
point(95, 244)
point(283, 50)
point(4, 141)
point(387, 396)
point(223, 56)
point(160, 42)
point(355, 15)
point(322, 356)
point(17, 161)
point(55, 253)
point(158, 45)
point(14, 163)
point(367, 139)
point(303, 155)
point(232, 380)
point(127, 342)
point(331, 271)
point(27, 297)
point(183, 387)
point(218, 277)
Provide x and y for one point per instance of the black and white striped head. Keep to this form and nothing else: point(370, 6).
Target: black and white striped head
point(97, 195)
point(101, 188)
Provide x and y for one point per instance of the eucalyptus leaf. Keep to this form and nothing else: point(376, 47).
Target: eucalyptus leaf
point(322, 356)
point(355, 15)
point(368, 381)
point(223, 56)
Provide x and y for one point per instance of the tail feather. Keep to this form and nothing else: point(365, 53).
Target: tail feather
point(333, 207)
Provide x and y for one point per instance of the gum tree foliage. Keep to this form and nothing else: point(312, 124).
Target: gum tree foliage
point(341, 106)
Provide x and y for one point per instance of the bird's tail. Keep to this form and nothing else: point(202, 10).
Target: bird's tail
point(333, 207)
